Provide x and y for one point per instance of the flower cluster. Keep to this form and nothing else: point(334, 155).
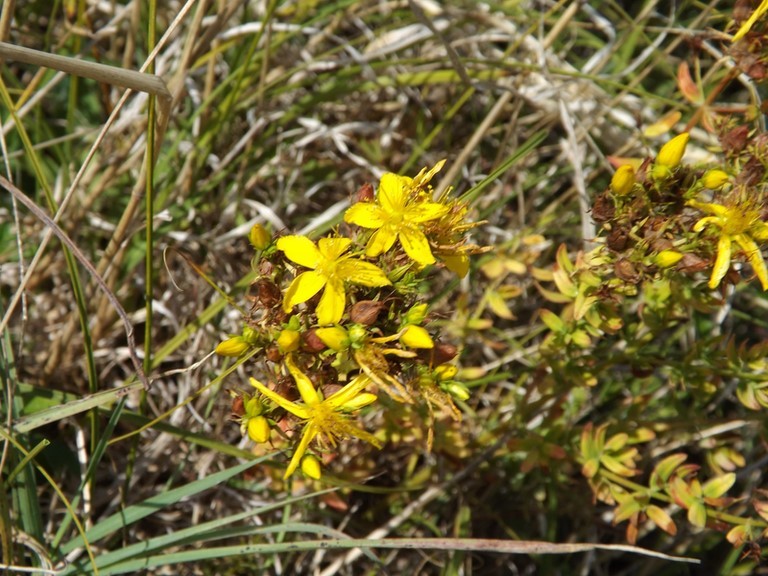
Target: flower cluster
point(342, 319)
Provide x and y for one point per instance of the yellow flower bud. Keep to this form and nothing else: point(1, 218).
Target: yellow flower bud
point(259, 237)
point(335, 337)
point(667, 258)
point(714, 179)
point(258, 429)
point(311, 467)
point(672, 152)
point(623, 180)
point(232, 347)
point(446, 371)
point(416, 337)
point(288, 341)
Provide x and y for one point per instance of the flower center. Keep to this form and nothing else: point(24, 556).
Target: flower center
point(738, 221)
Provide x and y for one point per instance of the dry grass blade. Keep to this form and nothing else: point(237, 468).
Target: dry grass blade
point(61, 235)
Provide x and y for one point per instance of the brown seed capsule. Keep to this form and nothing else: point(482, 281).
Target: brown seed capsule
point(266, 268)
point(365, 193)
point(617, 239)
point(735, 140)
point(311, 342)
point(238, 406)
point(366, 312)
point(625, 270)
point(603, 208)
point(268, 292)
point(691, 263)
point(443, 352)
point(273, 354)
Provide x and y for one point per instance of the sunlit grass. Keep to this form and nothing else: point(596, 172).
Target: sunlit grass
point(278, 113)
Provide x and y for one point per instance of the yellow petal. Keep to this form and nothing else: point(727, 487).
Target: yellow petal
point(291, 407)
point(310, 431)
point(335, 337)
point(393, 193)
point(759, 231)
point(716, 209)
point(424, 176)
point(307, 390)
point(347, 394)
point(359, 401)
point(457, 263)
point(672, 152)
point(381, 241)
point(415, 245)
point(755, 258)
point(300, 249)
point(334, 246)
point(303, 287)
point(703, 222)
point(747, 26)
point(416, 337)
point(331, 306)
point(722, 262)
point(361, 272)
point(424, 211)
point(365, 214)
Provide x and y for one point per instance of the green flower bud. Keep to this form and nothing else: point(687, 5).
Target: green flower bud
point(457, 390)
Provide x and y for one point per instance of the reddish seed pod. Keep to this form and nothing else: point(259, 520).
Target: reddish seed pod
point(238, 406)
point(266, 268)
point(365, 193)
point(273, 354)
point(366, 312)
point(443, 352)
point(311, 342)
point(268, 292)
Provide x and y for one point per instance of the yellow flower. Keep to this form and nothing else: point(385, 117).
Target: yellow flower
point(325, 419)
point(397, 215)
point(329, 269)
point(740, 224)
